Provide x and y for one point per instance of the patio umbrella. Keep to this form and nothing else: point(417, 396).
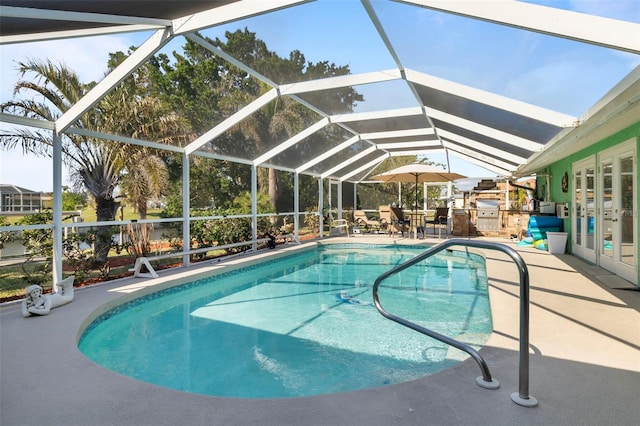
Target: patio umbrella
point(418, 173)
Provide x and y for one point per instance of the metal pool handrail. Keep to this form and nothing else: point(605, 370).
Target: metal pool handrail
point(521, 397)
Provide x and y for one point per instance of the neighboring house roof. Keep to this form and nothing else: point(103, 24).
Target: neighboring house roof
point(13, 189)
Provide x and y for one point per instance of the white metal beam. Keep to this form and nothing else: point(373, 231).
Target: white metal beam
point(224, 55)
point(340, 81)
point(425, 131)
point(254, 206)
point(26, 121)
point(480, 147)
point(63, 15)
point(140, 55)
point(607, 32)
point(369, 165)
point(435, 149)
point(296, 205)
point(373, 17)
point(498, 170)
point(376, 115)
point(132, 141)
point(345, 163)
point(480, 156)
point(366, 175)
point(216, 156)
point(491, 99)
point(232, 121)
point(292, 141)
point(57, 210)
point(117, 24)
point(333, 151)
point(61, 35)
point(231, 12)
point(486, 130)
point(279, 167)
point(426, 144)
point(186, 208)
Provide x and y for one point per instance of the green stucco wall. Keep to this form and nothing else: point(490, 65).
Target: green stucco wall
point(557, 169)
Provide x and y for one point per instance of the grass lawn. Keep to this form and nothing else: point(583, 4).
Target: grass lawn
point(89, 215)
point(13, 275)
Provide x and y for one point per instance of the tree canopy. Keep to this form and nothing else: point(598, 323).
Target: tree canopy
point(175, 98)
point(206, 89)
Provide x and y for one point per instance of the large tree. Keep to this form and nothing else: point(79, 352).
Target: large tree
point(284, 117)
point(95, 163)
point(98, 165)
point(134, 110)
point(191, 84)
point(208, 89)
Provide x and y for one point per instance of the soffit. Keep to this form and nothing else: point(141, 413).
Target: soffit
point(162, 9)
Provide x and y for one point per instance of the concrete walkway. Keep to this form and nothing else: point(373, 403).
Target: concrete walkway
point(584, 363)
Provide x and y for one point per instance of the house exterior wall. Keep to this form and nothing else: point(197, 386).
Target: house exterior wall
point(556, 170)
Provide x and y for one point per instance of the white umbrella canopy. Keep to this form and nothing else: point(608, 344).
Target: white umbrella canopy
point(417, 172)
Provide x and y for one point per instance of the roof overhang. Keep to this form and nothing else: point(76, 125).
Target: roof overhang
point(616, 111)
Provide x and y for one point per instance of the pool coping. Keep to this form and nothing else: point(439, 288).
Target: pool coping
point(584, 367)
point(226, 284)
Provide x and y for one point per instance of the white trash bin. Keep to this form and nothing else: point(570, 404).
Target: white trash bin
point(557, 242)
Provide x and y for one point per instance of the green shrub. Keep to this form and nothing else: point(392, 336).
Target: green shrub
point(311, 219)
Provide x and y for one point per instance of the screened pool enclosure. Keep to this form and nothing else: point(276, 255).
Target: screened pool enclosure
point(491, 83)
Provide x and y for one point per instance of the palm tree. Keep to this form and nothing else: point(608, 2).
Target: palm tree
point(277, 121)
point(94, 163)
point(286, 118)
point(97, 164)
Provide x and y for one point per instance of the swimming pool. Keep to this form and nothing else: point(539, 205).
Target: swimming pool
point(298, 326)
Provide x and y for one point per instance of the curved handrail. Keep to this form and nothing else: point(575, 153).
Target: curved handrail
point(521, 397)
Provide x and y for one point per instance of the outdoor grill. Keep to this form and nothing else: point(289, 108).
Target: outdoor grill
point(488, 215)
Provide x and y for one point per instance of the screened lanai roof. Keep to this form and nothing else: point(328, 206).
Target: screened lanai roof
point(485, 81)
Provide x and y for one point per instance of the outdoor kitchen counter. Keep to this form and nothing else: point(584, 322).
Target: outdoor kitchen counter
point(464, 222)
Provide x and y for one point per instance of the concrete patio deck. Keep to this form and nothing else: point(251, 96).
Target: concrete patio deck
point(584, 363)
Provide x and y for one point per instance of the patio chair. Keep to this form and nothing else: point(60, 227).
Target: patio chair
point(440, 217)
point(396, 220)
point(385, 218)
point(384, 215)
point(403, 223)
point(363, 221)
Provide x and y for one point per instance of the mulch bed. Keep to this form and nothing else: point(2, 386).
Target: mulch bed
point(114, 263)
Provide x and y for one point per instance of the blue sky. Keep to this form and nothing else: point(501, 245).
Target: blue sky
point(558, 74)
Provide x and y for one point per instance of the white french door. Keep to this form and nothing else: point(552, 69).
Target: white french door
point(618, 212)
point(583, 215)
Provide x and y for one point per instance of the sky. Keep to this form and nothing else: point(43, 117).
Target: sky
point(88, 56)
point(561, 75)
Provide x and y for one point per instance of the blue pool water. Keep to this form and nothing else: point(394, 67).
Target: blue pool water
point(299, 326)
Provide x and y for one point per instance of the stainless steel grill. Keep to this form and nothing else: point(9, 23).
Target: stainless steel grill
point(488, 213)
